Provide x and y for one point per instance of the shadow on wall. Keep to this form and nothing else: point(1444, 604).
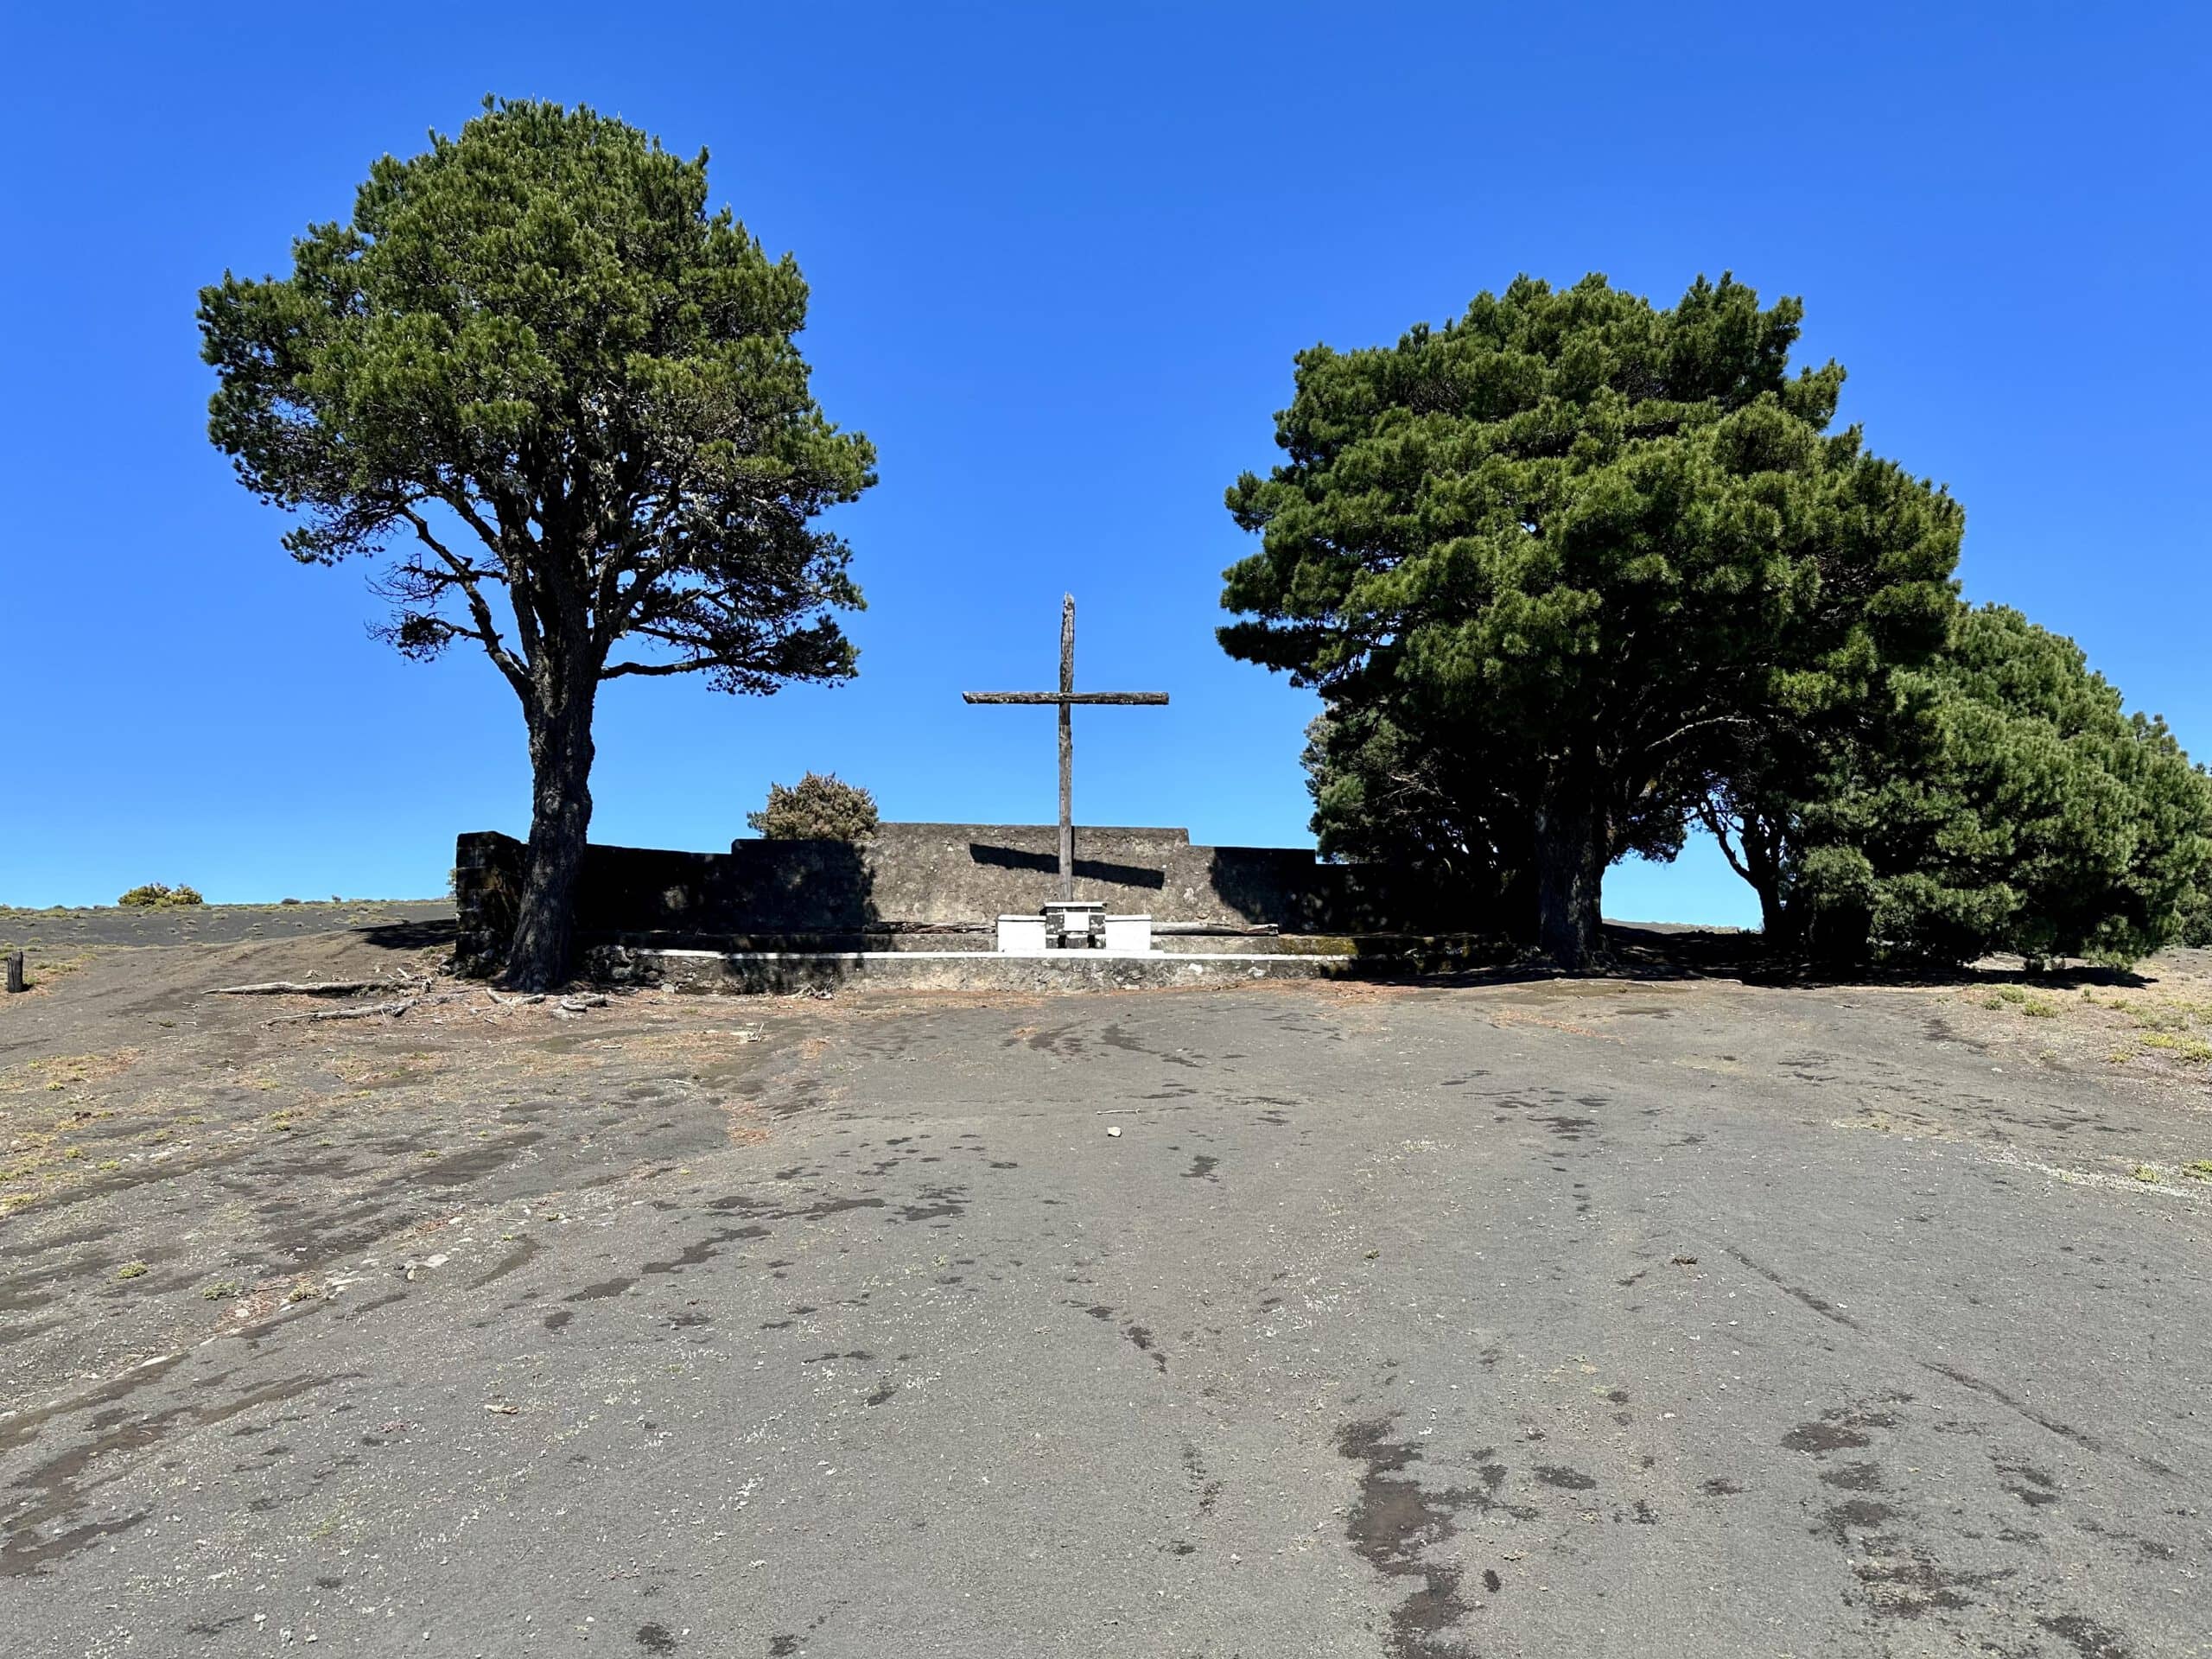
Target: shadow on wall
point(764, 887)
point(770, 885)
point(1273, 884)
point(1086, 869)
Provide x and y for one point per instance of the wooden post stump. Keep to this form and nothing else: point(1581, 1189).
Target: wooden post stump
point(14, 971)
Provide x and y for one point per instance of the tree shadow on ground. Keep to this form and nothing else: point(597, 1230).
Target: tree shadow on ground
point(1644, 952)
point(1652, 953)
point(411, 935)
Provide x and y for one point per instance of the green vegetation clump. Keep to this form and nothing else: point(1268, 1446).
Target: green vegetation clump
point(1553, 563)
point(821, 806)
point(132, 1270)
point(1575, 575)
point(159, 895)
point(2197, 914)
point(2010, 805)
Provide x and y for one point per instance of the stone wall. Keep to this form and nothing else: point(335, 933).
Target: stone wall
point(937, 876)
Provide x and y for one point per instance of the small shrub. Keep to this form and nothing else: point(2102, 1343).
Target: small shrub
point(288, 901)
point(2156, 1018)
point(132, 1270)
point(2194, 1049)
point(2037, 1007)
point(221, 1290)
point(2196, 919)
point(2198, 1170)
point(159, 895)
point(2146, 1173)
point(821, 806)
point(2012, 993)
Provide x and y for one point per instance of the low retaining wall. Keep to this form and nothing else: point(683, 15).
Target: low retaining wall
point(758, 972)
point(910, 877)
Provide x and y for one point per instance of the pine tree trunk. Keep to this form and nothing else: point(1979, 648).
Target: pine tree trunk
point(560, 819)
point(1762, 851)
point(1775, 920)
point(1571, 847)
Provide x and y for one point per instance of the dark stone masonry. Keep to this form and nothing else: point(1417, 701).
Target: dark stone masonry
point(937, 880)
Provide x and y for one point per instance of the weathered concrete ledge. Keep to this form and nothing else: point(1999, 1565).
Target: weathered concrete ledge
point(757, 971)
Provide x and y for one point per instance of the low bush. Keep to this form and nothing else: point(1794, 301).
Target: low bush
point(821, 806)
point(159, 895)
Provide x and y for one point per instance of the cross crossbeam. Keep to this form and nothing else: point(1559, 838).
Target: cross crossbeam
point(1066, 697)
point(1154, 697)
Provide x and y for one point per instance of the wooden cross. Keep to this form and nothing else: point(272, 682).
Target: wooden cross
point(1067, 696)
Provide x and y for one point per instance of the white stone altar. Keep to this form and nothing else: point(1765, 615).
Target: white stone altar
point(1072, 928)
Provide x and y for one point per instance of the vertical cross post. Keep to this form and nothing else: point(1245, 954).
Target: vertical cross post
point(1067, 746)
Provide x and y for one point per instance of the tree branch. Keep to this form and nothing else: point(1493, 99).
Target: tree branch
point(465, 576)
point(689, 667)
point(1712, 821)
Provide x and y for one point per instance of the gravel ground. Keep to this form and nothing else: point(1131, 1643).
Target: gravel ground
point(1673, 1316)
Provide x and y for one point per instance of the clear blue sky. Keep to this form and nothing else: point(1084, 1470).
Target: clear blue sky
point(1061, 257)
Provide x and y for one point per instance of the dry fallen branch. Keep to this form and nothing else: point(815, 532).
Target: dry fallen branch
point(312, 987)
point(370, 1010)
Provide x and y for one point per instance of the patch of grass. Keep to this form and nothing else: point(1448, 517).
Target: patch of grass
point(2193, 1051)
point(2152, 1016)
point(2147, 1174)
point(111, 1163)
point(2198, 1169)
point(2037, 1007)
point(38, 970)
point(221, 1290)
point(132, 1270)
point(2010, 994)
point(59, 1072)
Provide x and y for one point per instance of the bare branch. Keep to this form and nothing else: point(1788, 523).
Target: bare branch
point(1713, 822)
point(465, 575)
point(692, 666)
point(1684, 731)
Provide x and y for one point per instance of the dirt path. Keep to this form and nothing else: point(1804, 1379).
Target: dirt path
point(1677, 1316)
